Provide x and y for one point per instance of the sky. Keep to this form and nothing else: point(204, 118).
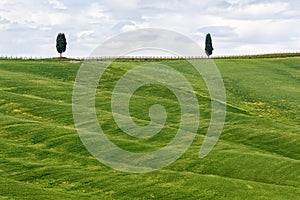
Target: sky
point(238, 27)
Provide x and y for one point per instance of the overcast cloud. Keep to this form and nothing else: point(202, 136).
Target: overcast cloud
point(29, 28)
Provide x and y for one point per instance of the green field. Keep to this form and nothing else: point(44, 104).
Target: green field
point(257, 156)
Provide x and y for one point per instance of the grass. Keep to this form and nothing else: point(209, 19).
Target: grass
point(259, 56)
point(257, 156)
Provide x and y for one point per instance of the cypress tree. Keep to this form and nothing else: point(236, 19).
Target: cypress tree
point(208, 45)
point(61, 43)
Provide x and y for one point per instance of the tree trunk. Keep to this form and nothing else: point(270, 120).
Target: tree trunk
point(60, 54)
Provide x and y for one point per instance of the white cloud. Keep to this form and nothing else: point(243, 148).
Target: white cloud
point(83, 34)
point(97, 12)
point(57, 4)
point(130, 27)
point(32, 13)
point(237, 26)
point(219, 31)
point(121, 4)
point(258, 10)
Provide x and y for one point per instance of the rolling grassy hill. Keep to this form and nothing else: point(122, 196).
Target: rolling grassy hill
point(257, 156)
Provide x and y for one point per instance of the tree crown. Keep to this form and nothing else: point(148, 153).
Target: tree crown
point(61, 43)
point(208, 45)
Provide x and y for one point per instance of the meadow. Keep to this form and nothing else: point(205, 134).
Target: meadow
point(256, 157)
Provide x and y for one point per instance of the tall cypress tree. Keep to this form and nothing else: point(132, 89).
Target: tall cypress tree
point(208, 45)
point(61, 43)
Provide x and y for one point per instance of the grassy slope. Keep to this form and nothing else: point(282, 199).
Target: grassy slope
point(257, 156)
